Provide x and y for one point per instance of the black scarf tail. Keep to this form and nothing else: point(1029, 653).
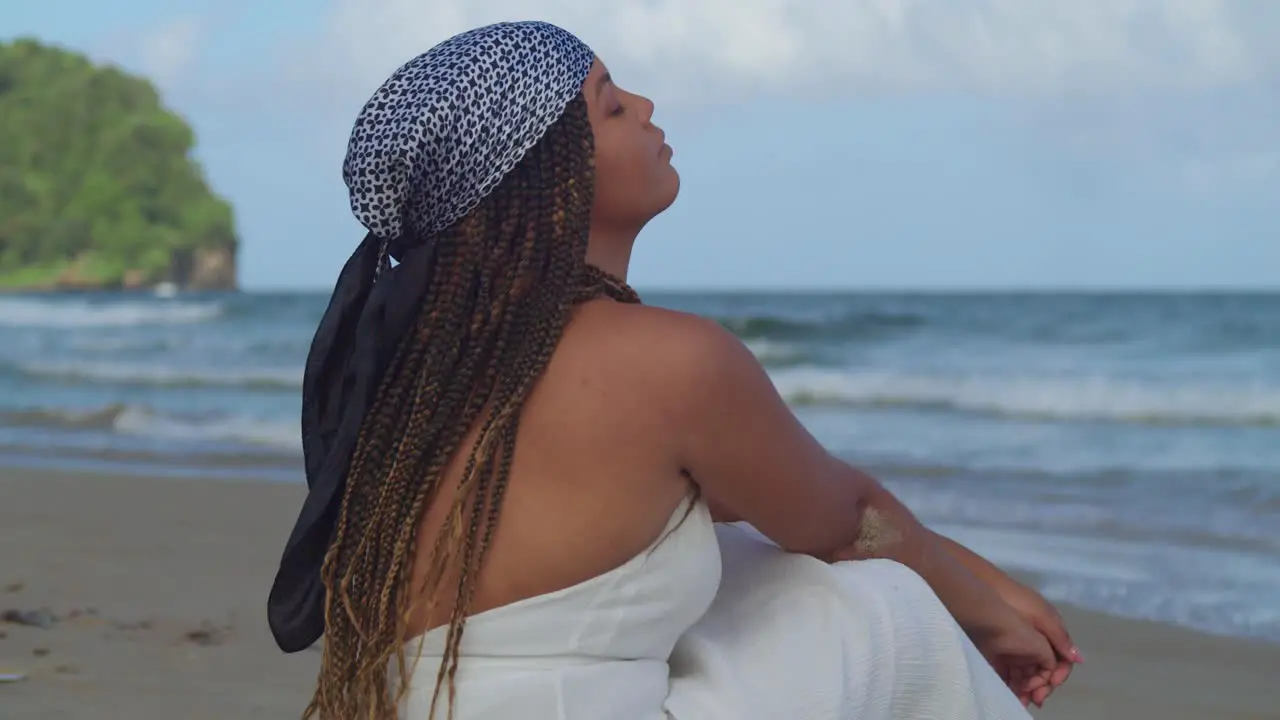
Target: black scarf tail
point(368, 313)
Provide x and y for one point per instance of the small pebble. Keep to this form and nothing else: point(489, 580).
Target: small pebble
point(31, 618)
point(203, 636)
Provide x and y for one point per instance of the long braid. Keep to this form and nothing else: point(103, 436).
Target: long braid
point(499, 295)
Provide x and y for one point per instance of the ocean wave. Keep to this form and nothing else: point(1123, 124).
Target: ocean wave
point(254, 431)
point(1245, 612)
point(140, 421)
point(772, 353)
point(1036, 398)
point(1215, 589)
point(852, 326)
point(67, 313)
point(102, 418)
point(116, 342)
point(126, 373)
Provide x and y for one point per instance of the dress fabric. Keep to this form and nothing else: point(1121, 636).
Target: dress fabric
point(716, 623)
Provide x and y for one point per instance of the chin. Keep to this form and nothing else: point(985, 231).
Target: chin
point(670, 188)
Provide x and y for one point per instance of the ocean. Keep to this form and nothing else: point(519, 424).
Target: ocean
point(1122, 449)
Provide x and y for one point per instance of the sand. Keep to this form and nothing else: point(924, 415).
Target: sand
point(158, 587)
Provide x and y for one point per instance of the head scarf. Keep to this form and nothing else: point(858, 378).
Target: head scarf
point(431, 143)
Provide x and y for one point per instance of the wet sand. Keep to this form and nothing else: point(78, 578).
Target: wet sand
point(145, 598)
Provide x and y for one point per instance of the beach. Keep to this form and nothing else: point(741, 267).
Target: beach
point(155, 592)
point(1120, 452)
point(1123, 448)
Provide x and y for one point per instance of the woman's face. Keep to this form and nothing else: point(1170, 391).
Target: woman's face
point(634, 177)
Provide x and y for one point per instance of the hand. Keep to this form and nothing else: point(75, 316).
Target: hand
point(1021, 656)
point(1045, 619)
point(1031, 607)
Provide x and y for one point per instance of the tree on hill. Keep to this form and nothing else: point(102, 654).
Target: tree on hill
point(97, 184)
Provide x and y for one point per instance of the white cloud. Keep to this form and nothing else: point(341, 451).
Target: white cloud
point(1122, 74)
point(689, 48)
point(171, 50)
point(166, 53)
point(1156, 88)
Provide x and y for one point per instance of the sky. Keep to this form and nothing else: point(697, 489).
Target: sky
point(822, 144)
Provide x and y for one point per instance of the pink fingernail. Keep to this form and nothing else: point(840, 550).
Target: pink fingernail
point(1075, 655)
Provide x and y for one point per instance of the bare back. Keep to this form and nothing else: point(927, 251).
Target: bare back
point(595, 475)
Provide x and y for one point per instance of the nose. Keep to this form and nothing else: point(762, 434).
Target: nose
point(646, 108)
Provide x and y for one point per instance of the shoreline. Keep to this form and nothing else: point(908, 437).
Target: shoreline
point(157, 590)
point(259, 465)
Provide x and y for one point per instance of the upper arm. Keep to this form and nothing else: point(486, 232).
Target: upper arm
point(745, 448)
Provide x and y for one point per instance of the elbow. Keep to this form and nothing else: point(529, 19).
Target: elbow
point(878, 527)
point(849, 529)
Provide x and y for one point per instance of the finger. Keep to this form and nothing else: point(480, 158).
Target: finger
point(1034, 682)
point(1017, 682)
point(1047, 675)
point(1044, 654)
point(1024, 696)
point(1039, 696)
point(1055, 630)
point(1060, 674)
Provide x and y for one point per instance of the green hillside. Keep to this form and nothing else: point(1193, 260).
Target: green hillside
point(98, 188)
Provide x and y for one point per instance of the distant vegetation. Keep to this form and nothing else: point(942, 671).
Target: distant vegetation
point(98, 188)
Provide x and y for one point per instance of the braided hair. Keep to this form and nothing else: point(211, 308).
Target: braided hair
point(500, 291)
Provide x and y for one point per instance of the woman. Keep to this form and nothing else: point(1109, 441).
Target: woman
point(500, 438)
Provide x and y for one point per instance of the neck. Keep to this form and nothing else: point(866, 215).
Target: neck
point(611, 251)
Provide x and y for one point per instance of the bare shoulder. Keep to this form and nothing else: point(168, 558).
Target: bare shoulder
point(658, 338)
point(665, 352)
point(704, 394)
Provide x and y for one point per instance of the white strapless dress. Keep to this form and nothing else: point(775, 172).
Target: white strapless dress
point(717, 623)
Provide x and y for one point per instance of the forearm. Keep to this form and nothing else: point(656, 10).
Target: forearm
point(973, 600)
point(975, 563)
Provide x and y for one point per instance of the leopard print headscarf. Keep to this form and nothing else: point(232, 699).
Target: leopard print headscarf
point(446, 127)
point(431, 143)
